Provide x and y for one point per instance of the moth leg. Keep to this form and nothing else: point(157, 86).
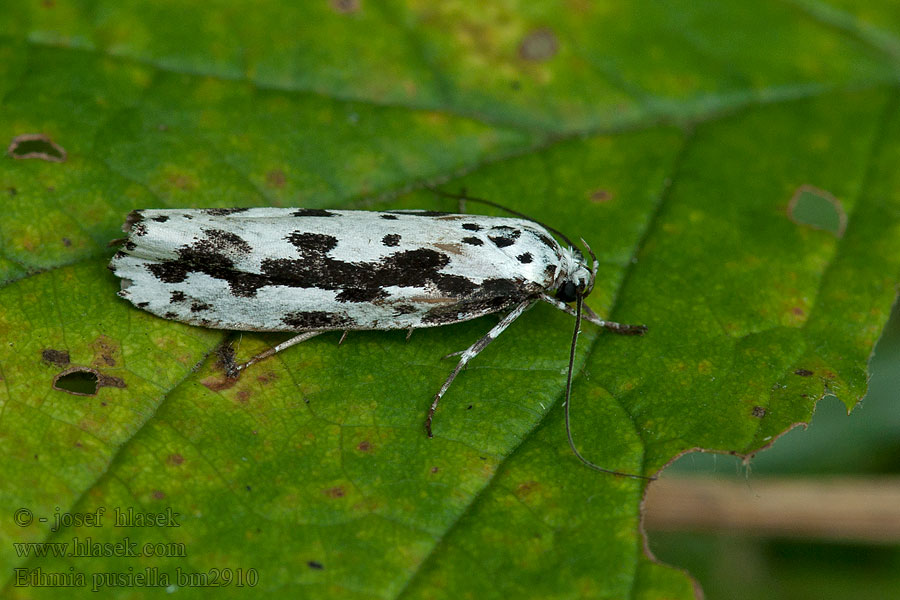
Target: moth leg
point(589, 315)
point(473, 351)
point(409, 333)
point(300, 337)
point(343, 337)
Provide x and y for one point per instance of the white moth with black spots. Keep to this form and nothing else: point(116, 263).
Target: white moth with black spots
point(312, 270)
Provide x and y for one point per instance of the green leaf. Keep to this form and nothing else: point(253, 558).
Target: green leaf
point(682, 140)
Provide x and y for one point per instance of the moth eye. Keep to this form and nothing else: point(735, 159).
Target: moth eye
point(566, 291)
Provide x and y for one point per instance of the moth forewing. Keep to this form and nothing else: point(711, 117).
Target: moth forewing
point(314, 270)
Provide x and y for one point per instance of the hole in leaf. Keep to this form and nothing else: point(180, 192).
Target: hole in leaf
point(78, 380)
point(36, 145)
point(818, 209)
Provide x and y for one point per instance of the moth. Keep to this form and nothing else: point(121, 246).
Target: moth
point(310, 271)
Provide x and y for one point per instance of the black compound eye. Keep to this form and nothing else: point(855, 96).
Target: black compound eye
point(566, 292)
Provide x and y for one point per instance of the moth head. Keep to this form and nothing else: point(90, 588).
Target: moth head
point(578, 276)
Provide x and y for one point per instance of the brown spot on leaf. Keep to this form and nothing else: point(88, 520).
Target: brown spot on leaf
point(346, 7)
point(276, 178)
point(176, 459)
point(526, 487)
point(217, 384)
point(803, 372)
point(759, 412)
point(434, 469)
point(314, 564)
point(243, 395)
point(36, 145)
point(60, 358)
point(335, 492)
point(158, 494)
point(66, 242)
point(539, 45)
point(105, 351)
point(181, 180)
point(364, 446)
point(110, 381)
point(599, 196)
point(267, 378)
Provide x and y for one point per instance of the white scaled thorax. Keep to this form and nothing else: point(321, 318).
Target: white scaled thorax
point(574, 268)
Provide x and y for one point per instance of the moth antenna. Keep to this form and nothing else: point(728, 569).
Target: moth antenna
point(463, 196)
point(578, 301)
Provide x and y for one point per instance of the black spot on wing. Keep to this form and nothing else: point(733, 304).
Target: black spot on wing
point(391, 240)
point(422, 213)
point(548, 241)
point(388, 217)
point(550, 272)
point(221, 212)
point(312, 212)
point(210, 255)
point(246, 284)
point(316, 319)
point(474, 241)
point(525, 258)
point(139, 229)
point(504, 236)
point(360, 295)
point(171, 315)
point(226, 241)
point(404, 309)
point(129, 245)
point(177, 296)
point(472, 226)
point(492, 295)
point(135, 216)
point(207, 255)
point(143, 304)
point(161, 219)
point(512, 288)
point(455, 285)
point(312, 243)
point(198, 306)
point(170, 271)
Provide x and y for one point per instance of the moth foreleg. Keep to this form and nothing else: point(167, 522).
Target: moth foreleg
point(473, 351)
point(589, 315)
point(300, 337)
